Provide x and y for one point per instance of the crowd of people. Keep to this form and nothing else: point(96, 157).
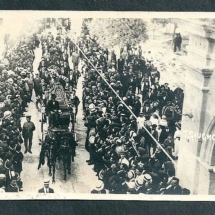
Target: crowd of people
point(133, 122)
point(18, 81)
point(54, 69)
point(55, 91)
point(15, 94)
point(126, 137)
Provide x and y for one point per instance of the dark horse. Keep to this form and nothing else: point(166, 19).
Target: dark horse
point(49, 151)
point(52, 157)
point(67, 152)
point(58, 147)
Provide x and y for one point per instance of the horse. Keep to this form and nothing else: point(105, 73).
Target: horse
point(49, 151)
point(52, 157)
point(65, 155)
point(67, 152)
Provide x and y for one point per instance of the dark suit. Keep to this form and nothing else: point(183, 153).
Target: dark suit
point(174, 190)
point(163, 100)
point(27, 133)
point(147, 110)
point(153, 143)
point(150, 96)
point(52, 109)
point(137, 107)
point(121, 63)
point(12, 189)
point(103, 191)
point(42, 190)
point(53, 106)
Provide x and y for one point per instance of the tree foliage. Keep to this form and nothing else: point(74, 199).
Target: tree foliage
point(110, 32)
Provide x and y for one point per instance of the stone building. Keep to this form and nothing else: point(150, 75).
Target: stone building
point(196, 164)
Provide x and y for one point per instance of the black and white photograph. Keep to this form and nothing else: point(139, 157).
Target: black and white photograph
point(94, 105)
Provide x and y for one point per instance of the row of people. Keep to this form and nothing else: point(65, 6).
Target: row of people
point(16, 91)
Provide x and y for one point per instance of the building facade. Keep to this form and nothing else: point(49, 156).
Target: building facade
point(196, 164)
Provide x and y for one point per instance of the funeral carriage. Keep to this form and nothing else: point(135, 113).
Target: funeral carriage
point(58, 140)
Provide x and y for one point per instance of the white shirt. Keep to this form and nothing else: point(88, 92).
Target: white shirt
point(140, 122)
point(46, 190)
point(159, 133)
point(154, 120)
point(163, 122)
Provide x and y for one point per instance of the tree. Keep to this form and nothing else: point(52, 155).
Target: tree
point(110, 32)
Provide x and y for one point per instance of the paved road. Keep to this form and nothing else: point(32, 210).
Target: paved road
point(82, 178)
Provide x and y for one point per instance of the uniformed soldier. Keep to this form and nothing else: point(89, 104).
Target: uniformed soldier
point(27, 133)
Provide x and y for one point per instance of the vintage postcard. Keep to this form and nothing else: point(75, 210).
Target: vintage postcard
point(107, 105)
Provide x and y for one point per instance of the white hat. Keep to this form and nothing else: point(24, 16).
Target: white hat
point(2, 190)
point(164, 117)
point(101, 174)
point(92, 106)
point(131, 174)
point(92, 139)
point(7, 113)
point(131, 186)
point(23, 73)
point(2, 104)
point(10, 80)
point(46, 180)
point(147, 177)
point(125, 161)
point(2, 176)
point(99, 185)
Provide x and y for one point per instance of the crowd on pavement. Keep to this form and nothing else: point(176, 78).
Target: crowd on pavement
point(126, 137)
point(15, 94)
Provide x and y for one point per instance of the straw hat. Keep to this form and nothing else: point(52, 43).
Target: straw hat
point(99, 185)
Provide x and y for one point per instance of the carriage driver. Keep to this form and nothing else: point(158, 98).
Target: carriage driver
point(53, 110)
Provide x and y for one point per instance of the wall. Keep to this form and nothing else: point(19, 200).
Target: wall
point(194, 168)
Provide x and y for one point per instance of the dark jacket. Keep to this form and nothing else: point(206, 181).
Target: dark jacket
point(97, 192)
point(28, 129)
point(53, 107)
point(43, 191)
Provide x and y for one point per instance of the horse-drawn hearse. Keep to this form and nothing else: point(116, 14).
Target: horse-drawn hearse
point(58, 142)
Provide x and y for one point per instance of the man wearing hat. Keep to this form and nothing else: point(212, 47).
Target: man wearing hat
point(53, 108)
point(99, 188)
point(37, 85)
point(17, 160)
point(30, 83)
point(27, 133)
point(140, 121)
point(46, 188)
point(75, 101)
point(12, 186)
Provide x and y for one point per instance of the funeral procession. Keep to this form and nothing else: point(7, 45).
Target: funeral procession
point(107, 106)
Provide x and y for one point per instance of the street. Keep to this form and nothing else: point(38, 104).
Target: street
point(82, 177)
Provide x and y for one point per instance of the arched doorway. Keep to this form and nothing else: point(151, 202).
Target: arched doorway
point(207, 153)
